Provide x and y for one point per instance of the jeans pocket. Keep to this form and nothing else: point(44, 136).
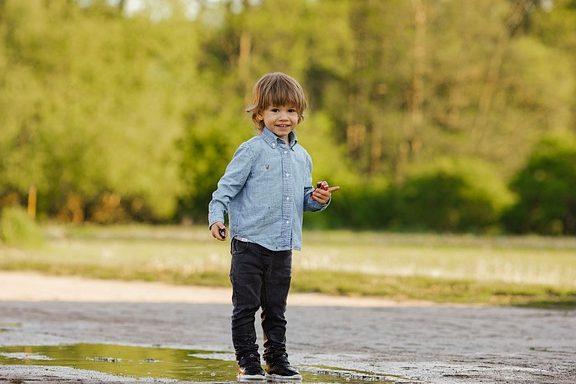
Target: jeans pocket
point(239, 246)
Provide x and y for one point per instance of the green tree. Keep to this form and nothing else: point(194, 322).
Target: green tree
point(88, 115)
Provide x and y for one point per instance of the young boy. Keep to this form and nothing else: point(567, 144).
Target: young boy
point(264, 191)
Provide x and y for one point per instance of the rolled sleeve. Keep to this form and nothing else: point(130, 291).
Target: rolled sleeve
point(312, 205)
point(309, 203)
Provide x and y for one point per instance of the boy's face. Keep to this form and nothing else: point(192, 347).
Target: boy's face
point(280, 120)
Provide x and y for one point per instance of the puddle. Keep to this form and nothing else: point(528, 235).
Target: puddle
point(167, 363)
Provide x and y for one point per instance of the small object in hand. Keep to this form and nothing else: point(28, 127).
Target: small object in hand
point(222, 232)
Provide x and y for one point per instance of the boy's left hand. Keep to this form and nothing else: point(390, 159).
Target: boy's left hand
point(323, 192)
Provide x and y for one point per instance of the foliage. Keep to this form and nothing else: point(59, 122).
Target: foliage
point(17, 228)
point(85, 114)
point(451, 195)
point(206, 152)
point(545, 187)
point(366, 205)
point(138, 123)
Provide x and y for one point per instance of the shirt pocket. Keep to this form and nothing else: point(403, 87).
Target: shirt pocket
point(264, 180)
point(262, 197)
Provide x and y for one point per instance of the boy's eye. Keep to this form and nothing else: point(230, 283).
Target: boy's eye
point(292, 110)
point(274, 109)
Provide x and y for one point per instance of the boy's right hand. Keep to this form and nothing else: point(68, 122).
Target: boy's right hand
point(218, 230)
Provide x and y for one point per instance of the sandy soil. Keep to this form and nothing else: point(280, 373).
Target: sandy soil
point(417, 343)
point(38, 287)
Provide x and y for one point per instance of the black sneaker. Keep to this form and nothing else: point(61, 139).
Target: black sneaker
point(281, 370)
point(249, 369)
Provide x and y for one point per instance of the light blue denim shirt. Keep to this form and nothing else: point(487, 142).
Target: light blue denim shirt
point(265, 190)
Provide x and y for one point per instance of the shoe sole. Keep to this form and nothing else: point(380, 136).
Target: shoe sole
point(251, 378)
point(279, 379)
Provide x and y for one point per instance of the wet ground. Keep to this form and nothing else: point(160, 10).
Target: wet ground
point(49, 324)
point(397, 344)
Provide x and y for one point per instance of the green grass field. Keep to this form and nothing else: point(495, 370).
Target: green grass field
point(534, 271)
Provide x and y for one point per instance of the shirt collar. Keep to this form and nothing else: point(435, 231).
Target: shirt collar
point(271, 139)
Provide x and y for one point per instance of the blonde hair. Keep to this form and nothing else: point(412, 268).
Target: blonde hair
point(276, 89)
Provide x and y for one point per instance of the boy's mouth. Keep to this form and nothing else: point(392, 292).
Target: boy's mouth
point(282, 125)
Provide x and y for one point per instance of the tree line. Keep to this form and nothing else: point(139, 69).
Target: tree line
point(450, 116)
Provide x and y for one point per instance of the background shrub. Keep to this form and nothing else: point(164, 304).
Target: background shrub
point(366, 206)
point(451, 195)
point(546, 189)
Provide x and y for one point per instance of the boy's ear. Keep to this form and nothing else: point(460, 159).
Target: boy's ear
point(259, 117)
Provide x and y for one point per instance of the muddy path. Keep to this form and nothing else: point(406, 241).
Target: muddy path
point(435, 344)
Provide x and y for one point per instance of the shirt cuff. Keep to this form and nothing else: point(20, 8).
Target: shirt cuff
point(214, 218)
point(317, 206)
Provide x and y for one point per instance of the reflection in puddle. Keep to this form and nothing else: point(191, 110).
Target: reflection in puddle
point(181, 364)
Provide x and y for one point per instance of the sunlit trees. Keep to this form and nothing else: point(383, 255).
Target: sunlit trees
point(115, 114)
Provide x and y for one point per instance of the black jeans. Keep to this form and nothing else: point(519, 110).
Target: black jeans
point(260, 278)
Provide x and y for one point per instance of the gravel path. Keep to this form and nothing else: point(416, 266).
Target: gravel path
point(436, 344)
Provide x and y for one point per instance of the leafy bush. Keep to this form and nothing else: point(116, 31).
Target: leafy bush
point(366, 206)
point(546, 189)
point(17, 228)
point(451, 195)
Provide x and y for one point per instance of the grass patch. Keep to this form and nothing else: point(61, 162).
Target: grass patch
point(433, 289)
point(523, 271)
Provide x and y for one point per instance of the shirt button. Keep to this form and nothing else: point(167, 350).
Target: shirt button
point(287, 174)
point(285, 151)
point(287, 198)
point(287, 222)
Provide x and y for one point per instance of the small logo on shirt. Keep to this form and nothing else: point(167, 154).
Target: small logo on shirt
point(267, 166)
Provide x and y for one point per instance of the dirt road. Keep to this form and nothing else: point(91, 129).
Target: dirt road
point(418, 343)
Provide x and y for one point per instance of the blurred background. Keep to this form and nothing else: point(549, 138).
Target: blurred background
point(450, 125)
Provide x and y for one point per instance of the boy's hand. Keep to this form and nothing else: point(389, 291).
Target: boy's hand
point(218, 230)
point(323, 192)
